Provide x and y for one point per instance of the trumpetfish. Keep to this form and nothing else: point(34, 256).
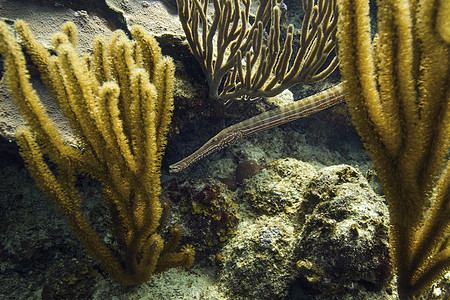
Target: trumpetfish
point(263, 121)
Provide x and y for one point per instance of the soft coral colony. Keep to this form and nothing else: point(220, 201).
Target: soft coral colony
point(118, 101)
point(396, 86)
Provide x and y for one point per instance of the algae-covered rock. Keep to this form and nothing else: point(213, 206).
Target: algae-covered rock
point(258, 262)
point(343, 246)
point(279, 186)
point(206, 210)
point(328, 237)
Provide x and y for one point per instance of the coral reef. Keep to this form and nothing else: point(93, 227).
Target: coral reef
point(331, 243)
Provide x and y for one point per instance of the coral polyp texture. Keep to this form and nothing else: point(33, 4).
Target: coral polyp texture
point(118, 101)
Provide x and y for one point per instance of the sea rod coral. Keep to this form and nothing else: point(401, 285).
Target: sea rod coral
point(399, 97)
point(118, 101)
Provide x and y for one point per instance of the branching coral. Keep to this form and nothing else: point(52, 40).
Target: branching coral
point(238, 60)
point(118, 101)
point(399, 96)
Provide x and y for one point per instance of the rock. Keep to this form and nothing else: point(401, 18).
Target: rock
point(258, 262)
point(206, 211)
point(318, 232)
point(343, 246)
point(278, 187)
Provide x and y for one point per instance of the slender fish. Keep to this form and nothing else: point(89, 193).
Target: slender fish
point(270, 119)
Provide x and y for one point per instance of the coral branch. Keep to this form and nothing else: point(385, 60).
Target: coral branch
point(119, 103)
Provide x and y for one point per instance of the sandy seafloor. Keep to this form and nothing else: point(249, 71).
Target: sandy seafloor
point(41, 259)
